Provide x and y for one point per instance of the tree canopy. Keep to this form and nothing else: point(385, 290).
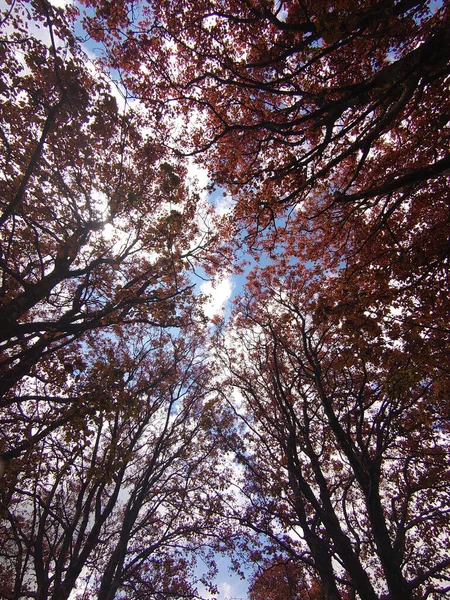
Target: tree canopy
point(305, 434)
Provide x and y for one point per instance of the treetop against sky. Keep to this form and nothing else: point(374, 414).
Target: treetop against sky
point(301, 148)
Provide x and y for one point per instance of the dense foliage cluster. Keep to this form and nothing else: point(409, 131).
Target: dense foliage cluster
point(307, 434)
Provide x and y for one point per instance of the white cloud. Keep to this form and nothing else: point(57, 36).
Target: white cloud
point(236, 590)
point(217, 293)
point(197, 176)
point(225, 204)
point(61, 3)
point(226, 589)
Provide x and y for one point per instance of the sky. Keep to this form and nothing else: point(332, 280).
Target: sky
point(230, 586)
point(220, 292)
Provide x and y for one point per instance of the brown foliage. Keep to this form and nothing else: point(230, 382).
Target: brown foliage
point(329, 125)
point(97, 229)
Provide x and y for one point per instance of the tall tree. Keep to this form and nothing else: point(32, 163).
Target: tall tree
point(328, 106)
point(345, 442)
point(328, 122)
point(98, 230)
point(111, 505)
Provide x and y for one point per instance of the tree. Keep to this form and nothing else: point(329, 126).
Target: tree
point(344, 449)
point(110, 505)
point(103, 451)
point(328, 123)
point(283, 581)
point(331, 106)
point(98, 229)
